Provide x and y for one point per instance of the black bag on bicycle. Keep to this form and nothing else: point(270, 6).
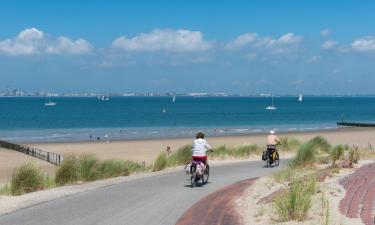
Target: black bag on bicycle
point(264, 156)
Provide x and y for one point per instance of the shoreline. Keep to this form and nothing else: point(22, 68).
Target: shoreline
point(248, 134)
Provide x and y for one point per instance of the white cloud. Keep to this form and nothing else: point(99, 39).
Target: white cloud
point(325, 32)
point(284, 43)
point(32, 41)
point(313, 59)
point(364, 44)
point(329, 44)
point(164, 40)
point(64, 45)
point(242, 40)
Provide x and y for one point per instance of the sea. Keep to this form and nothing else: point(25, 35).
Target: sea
point(27, 119)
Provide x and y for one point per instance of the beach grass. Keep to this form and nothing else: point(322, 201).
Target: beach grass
point(336, 153)
point(237, 152)
point(68, 171)
point(296, 202)
point(27, 178)
point(160, 163)
point(289, 144)
point(180, 157)
point(307, 152)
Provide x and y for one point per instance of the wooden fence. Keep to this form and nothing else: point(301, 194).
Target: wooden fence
point(50, 157)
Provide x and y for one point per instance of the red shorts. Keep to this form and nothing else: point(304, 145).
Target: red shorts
point(202, 159)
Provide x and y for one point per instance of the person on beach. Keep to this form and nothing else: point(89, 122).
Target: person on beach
point(272, 140)
point(200, 148)
point(169, 151)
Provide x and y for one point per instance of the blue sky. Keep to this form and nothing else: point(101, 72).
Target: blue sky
point(246, 47)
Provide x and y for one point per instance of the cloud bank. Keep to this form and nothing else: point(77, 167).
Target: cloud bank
point(32, 41)
point(164, 40)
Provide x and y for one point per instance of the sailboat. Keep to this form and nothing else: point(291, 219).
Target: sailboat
point(104, 98)
point(300, 98)
point(49, 103)
point(271, 107)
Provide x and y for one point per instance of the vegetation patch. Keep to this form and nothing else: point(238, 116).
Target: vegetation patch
point(27, 178)
point(296, 202)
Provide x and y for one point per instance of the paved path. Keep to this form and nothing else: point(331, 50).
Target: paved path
point(359, 200)
point(160, 199)
point(217, 208)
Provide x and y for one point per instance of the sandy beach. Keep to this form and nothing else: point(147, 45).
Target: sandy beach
point(10, 160)
point(147, 150)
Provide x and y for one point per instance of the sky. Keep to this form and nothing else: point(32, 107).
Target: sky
point(242, 47)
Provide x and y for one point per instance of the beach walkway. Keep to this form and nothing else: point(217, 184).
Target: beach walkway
point(359, 200)
point(159, 199)
point(218, 207)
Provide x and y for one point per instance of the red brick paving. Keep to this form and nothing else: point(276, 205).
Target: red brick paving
point(359, 200)
point(217, 208)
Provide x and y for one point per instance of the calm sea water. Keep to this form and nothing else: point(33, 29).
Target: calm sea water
point(27, 119)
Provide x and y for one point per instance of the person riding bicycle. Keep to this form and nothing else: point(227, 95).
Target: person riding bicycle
point(200, 148)
point(272, 141)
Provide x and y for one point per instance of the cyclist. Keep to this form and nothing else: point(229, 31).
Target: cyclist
point(272, 141)
point(200, 148)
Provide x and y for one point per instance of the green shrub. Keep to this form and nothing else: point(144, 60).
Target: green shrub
point(87, 163)
point(336, 153)
point(129, 167)
point(295, 204)
point(354, 155)
point(27, 178)
point(220, 152)
point(243, 151)
point(320, 143)
point(305, 155)
point(68, 171)
point(240, 151)
point(180, 157)
point(109, 168)
point(160, 162)
point(289, 144)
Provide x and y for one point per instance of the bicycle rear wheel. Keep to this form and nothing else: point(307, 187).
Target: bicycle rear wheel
point(193, 176)
point(277, 160)
point(206, 175)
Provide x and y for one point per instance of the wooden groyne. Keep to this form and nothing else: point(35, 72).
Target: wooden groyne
point(353, 124)
point(50, 157)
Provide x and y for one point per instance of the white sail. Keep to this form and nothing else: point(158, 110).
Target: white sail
point(300, 98)
point(271, 107)
point(49, 103)
point(174, 98)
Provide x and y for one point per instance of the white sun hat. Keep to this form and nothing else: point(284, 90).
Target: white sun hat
point(272, 132)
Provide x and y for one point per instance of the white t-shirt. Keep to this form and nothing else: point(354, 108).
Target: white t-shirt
point(200, 147)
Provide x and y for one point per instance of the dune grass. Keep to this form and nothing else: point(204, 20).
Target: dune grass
point(336, 153)
point(89, 168)
point(160, 163)
point(237, 152)
point(295, 204)
point(68, 171)
point(289, 144)
point(307, 152)
point(27, 178)
point(180, 157)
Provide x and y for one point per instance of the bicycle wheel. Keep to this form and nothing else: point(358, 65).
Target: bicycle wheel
point(193, 177)
point(206, 175)
point(277, 159)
